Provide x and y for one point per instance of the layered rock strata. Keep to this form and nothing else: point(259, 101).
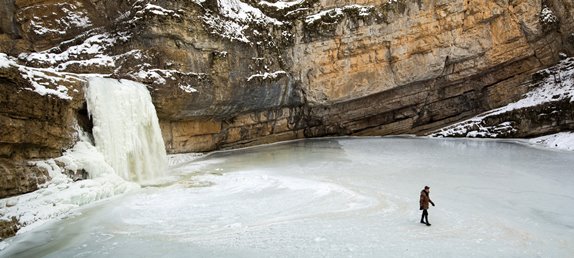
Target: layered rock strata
point(34, 126)
point(403, 67)
point(546, 109)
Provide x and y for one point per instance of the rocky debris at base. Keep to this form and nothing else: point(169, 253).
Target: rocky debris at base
point(8, 228)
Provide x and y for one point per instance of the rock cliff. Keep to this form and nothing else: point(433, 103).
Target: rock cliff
point(231, 73)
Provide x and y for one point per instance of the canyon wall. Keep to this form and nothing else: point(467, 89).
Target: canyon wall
point(229, 73)
point(369, 69)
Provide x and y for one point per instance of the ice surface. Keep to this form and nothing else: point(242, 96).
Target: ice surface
point(350, 197)
point(126, 129)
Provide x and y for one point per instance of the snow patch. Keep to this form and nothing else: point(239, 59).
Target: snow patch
point(280, 5)
point(547, 16)
point(157, 10)
point(558, 85)
point(234, 17)
point(199, 2)
point(42, 79)
point(60, 23)
point(160, 76)
point(562, 141)
point(225, 28)
point(92, 46)
point(187, 88)
point(242, 12)
point(337, 13)
point(6, 61)
point(266, 75)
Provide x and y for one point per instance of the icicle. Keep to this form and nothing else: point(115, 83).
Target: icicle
point(126, 129)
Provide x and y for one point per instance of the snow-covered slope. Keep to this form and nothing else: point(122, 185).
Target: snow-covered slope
point(561, 141)
point(556, 85)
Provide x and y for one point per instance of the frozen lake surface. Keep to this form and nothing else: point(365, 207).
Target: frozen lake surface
point(340, 197)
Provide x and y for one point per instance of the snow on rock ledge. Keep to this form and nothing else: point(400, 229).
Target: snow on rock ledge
point(279, 5)
point(42, 81)
point(553, 86)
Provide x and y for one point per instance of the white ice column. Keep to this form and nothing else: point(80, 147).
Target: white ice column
point(126, 128)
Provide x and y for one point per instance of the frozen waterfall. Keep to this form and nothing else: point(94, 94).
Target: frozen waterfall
point(126, 129)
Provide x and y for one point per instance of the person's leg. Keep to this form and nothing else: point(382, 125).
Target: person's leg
point(423, 216)
point(427, 217)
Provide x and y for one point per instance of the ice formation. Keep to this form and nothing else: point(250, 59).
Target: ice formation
point(126, 128)
point(61, 196)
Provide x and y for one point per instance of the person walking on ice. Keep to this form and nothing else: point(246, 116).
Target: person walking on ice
point(424, 205)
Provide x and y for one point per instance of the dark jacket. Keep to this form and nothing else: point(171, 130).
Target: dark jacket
point(424, 201)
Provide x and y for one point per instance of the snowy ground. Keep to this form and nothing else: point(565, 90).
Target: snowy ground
point(334, 198)
point(562, 141)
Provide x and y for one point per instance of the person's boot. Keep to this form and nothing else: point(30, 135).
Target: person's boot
point(428, 224)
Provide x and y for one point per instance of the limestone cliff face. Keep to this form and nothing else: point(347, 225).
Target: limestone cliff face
point(456, 58)
point(421, 41)
point(230, 73)
point(368, 69)
point(34, 124)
